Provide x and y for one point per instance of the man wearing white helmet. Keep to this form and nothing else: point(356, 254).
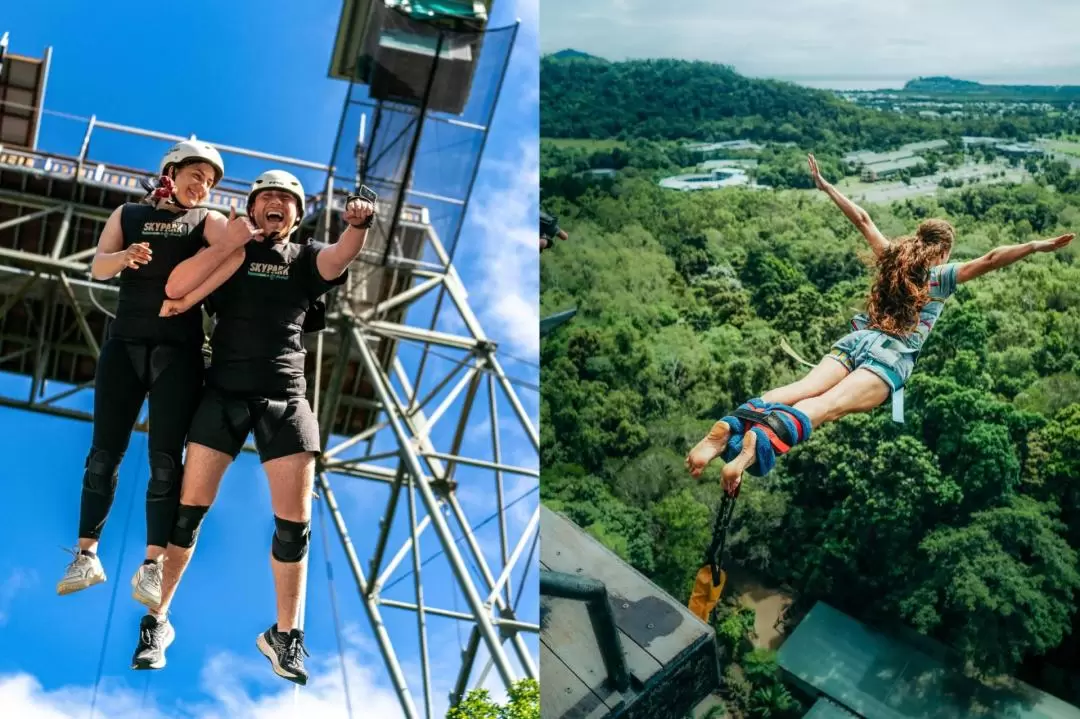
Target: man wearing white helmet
point(147, 354)
point(256, 384)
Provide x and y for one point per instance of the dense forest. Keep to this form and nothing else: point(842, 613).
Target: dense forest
point(584, 97)
point(963, 522)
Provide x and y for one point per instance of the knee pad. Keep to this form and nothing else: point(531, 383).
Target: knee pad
point(290, 540)
point(165, 478)
point(186, 529)
point(101, 472)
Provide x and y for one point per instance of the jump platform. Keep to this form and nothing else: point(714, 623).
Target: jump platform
point(670, 654)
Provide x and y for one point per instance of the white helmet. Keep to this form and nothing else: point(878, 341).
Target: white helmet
point(278, 180)
point(189, 150)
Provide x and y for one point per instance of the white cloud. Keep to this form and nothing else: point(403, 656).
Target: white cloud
point(830, 38)
point(22, 696)
point(17, 581)
point(239, 688)
point(235, 687)
point(323, 697)
point(507, 290)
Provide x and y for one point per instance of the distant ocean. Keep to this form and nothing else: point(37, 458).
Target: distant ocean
point(851, 84)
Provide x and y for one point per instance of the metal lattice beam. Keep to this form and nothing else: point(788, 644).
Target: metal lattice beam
point(423, 469)
point(53, 322)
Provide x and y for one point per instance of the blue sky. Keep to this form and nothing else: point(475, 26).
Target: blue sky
point(257, 79)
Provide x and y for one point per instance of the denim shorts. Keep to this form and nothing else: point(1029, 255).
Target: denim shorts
point(882, 354)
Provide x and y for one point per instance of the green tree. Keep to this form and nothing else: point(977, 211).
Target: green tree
point(674, 99)
point(683, 531)
point(771, 702)
point(683, 301)
point(523, 703)
point(999, 588)
point(1055, 467)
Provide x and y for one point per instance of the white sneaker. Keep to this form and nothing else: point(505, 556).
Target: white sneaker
point(84, 571)
point(146, 584)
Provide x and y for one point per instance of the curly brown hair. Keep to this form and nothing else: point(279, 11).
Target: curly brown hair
point(901, 288)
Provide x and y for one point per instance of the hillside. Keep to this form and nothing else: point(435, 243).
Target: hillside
point(679, 99)
point(670, 99)
point(938, 84)
point(571, 54)
point(968, 90)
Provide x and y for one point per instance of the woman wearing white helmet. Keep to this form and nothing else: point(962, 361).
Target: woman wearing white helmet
point(255, 383)
point(147, 354)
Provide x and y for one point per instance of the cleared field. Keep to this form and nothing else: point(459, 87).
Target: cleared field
point(586, 144)
point(1064, 146)
point(853, 185)
point(887, 191)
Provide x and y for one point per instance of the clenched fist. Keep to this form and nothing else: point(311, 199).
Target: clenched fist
point(359, 213)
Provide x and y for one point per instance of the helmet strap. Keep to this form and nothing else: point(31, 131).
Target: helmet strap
point(176, 201)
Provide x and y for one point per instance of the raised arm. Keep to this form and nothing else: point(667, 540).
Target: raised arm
point(175, 306)
point(1005, 255)
point(223, 237)
point(858, 216)
point(336, 258)
point(111, 258)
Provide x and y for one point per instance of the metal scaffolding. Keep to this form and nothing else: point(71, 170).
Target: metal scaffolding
point(381, 419)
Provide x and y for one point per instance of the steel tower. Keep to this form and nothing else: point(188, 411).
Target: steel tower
point(396, 384)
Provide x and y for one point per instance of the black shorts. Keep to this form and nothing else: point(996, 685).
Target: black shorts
point(282, 427)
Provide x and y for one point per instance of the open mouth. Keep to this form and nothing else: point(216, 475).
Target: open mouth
point(275, 216)
point(193, 196)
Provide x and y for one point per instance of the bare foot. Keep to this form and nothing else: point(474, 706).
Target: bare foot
point(731, 474)
point(708, 449)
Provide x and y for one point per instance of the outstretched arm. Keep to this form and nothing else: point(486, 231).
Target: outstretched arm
point(336, 258)
point(223, 237)
point(858, 216)
point(1005, 255)
point(216, 279)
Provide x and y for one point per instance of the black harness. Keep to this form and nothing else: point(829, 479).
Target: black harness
point(714, 554)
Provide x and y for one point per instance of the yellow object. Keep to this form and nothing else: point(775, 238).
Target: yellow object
point(791, 351)
point(704, 596)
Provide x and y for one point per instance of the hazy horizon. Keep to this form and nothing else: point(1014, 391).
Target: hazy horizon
point(832, 40)
point(869, 82)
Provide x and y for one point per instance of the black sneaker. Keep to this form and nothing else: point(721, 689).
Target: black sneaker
point(154, 639)
point(286, 653)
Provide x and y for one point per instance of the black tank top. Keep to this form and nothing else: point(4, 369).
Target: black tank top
point(173, 237)
point(260, 312)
